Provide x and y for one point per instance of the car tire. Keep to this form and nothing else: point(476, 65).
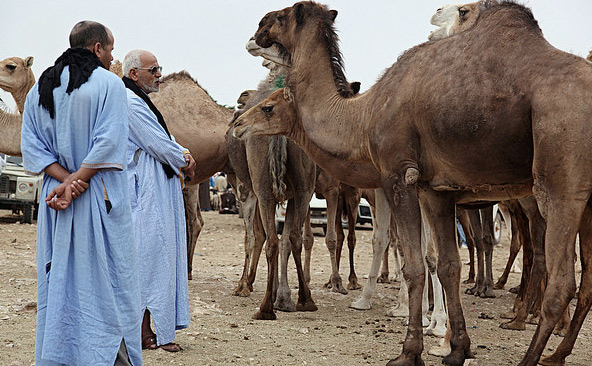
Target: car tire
point(497, 228)
point(28, 214)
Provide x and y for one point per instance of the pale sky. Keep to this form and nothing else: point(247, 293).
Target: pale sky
point(208, 38)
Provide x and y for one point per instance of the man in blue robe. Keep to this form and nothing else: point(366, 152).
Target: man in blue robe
point(75, 130)
point(157, 166)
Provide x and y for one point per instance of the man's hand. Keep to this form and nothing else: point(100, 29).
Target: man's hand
point(189, 170)
point(78, 187)
point(60, 197)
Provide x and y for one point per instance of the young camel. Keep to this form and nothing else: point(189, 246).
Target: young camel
point(16, 77)
point(542, 120)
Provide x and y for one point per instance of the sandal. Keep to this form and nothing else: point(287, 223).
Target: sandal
point(171, 347)
point(149, 342)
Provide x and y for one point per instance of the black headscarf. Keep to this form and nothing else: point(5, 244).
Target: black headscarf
point(131, 85)
point(81, 62)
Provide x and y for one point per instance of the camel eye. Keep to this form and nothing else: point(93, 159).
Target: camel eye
point(462, 12)
point(11, 67)
point(267, 109)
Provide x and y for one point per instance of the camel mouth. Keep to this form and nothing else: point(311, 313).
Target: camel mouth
point(239, 131)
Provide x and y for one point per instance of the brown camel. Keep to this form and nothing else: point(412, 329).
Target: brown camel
point(199, 124)
point(490, 98)
point(16, 77)
point(275, 170)
point(528, 223)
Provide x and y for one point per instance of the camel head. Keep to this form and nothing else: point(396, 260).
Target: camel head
point(274, 116)
point(16, 77)
point(456, 18)
point(244, 98)
point(281, 28)
point(270, 54)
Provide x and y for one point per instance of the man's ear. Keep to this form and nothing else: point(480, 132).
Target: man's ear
point(133, 74)
point(96, 48)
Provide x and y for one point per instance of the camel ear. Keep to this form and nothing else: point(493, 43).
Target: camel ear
point(29, 61)
point(299, 13)
point(333, 14)
point(355, 86)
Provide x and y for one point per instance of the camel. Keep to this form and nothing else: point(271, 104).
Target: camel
point(16, 77)
point(274, 169)
point(199, 124)
point(490, 98)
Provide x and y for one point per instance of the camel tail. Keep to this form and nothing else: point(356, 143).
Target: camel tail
point(278, 157)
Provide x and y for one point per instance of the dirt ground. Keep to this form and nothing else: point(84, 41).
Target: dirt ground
point(222, 331)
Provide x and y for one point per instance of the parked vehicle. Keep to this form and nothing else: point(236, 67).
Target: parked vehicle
point(19, 192)
point(318, 214)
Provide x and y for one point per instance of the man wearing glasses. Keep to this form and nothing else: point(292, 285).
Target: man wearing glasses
point(157, 167)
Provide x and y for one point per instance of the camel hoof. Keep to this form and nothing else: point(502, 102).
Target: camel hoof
point(354, 285)
point(469, 280)
point(470, 291)
point(361, 304)
point(339, 289)
point(456, 358)
point(383, 278)
point(406, 361)
point(513, 325)
point(508, 315)
point(532, 320)
point(285, 305)
point(552, 360)
point(499, 285)
point(487, 294)
point(260, 315)
point(307, 306)
point(440, 351)
point(242, 291)
point(514, 290)
point(397, 312)
point(437, 331)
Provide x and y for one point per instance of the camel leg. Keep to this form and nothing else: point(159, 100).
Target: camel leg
point(537, 268)
point(384, 272)
point(443, 349)
point(404, 204)
point(562, 225)
point(267, 212)
point(307, 242)
point(476, 231)
point(193, 222)
point(335, 282)
point(584, 299)
point(515, 245)
point(487, 231)
point(439, 212)
point(243, 287)
point(352, 200)
point(259, 234)
point(380, 240)
point(283, 300)
point(463, 218)
point(437, 326)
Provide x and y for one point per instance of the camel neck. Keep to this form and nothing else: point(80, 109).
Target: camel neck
point(10, 125)
point(20, 96)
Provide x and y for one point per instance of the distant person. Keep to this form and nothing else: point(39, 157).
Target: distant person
point(75, 130)
point(157, 166)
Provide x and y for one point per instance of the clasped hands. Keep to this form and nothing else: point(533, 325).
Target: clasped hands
point(61, 196)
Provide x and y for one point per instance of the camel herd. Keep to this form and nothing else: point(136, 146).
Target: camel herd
point(485, 111)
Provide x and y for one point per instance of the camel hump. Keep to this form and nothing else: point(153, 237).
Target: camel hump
point(278, 157)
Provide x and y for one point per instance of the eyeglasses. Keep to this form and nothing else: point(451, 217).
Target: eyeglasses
point(153, 69)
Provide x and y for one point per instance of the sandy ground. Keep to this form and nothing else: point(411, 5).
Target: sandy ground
point(222, 331)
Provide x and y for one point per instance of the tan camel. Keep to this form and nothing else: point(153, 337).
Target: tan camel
point(16, 77)
point(199, 124)
point(490, 98)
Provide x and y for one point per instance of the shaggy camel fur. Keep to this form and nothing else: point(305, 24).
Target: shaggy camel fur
point(490, 98)
point(16, 77)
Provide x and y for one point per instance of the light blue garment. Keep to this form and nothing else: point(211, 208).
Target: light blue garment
point(159, 220)
point(87, 280)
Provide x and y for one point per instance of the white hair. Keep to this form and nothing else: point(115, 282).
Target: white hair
point(131, 61)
